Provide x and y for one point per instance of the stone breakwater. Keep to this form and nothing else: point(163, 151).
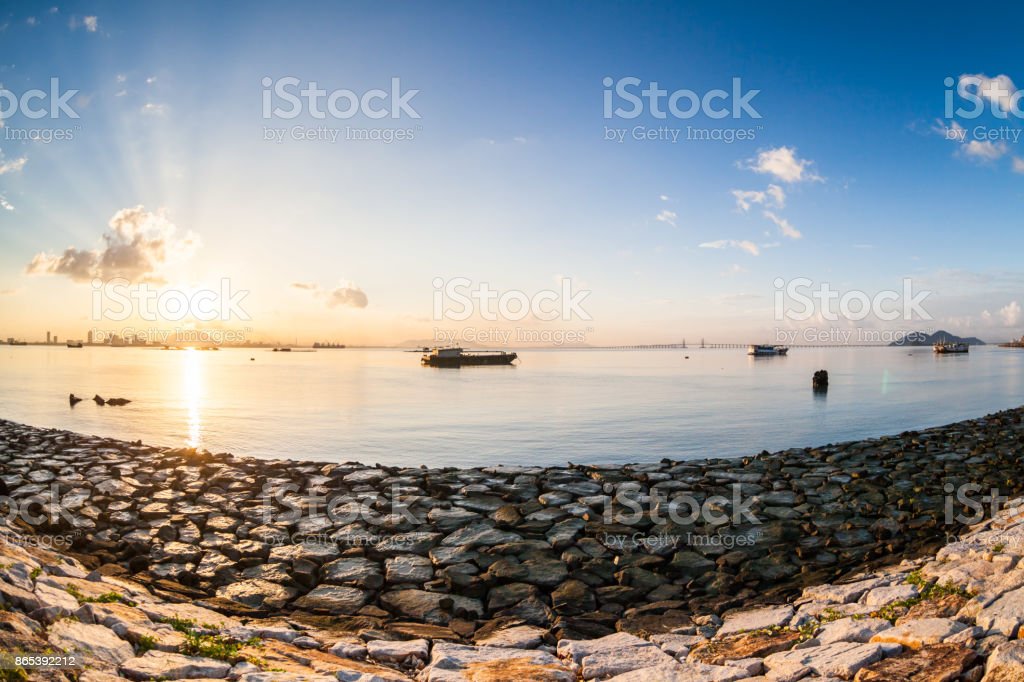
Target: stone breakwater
point(187, 564)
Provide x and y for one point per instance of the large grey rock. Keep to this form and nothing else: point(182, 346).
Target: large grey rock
point(160, 665)
point(918, 633)
point(258, 593)
point(756, 619)
point(431, 607)
point(356, 571)
point(98, 643)
point(408, 568)
point(479, 535)
point(333, 599)
point(683, 672)
point(1006, 663)
point(603, 664)
point(577, 650)
point(859, 630)
point(398, 651)
point(1004, 615)
point(883, 596)
point(841, 659)
point(459, 663)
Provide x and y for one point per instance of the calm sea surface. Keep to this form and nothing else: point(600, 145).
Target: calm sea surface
point(555, 406)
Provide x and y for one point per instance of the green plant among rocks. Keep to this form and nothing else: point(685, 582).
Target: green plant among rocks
point(207, 641)
point(105, 598)
point(145, 643)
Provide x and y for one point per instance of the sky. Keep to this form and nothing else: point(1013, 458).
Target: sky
point(507, 157)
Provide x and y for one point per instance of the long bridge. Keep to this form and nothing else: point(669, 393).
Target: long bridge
point(705, 345)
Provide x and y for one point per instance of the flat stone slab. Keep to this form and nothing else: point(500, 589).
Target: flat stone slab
point(859, 630)
point(842, 659)
point(915, 634)
point(756, 619)
point(603, 664)
point(398, 651)
point(577, 650)
point(683, 672)
point(161, 665)
point(883, 596)
point(460, 663)
point(96, 642)
point(942, 662)
point(749, 645)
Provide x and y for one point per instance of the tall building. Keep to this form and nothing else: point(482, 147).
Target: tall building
point(47, 337)
point(89, 336)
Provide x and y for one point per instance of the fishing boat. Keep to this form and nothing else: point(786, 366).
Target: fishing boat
point(74, 344)
point(944, 347)
point(457, 357)
point(762, 350)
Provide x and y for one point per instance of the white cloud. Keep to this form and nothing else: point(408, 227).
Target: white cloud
point(137, 246)
point(749, 247)
point(89, 23)
point(783, 164)
point(773, 196)
point(1010, 314)
point(151, 80)
point(1018, 165)
point(667, 216)
point(999, 90)
point(784, 225)
point(984, 150)
point(345, 294)
point(121, 78)
point(154, 109)
point(954, 132)
point(664, 197)
point(12, 166)
point(6, 204)
point(31, 21)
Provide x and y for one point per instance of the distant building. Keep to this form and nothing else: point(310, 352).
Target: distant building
point(47, 337)
point(89, 336)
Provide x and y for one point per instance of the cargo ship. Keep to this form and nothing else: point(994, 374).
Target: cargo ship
point(457, 357)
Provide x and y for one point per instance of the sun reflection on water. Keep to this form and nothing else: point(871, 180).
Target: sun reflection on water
point(192, 393)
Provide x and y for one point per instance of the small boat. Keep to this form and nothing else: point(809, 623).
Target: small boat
point(74, 344)
point(282, 350)
point(457, 357)
point(762, 350)
point(944, 347)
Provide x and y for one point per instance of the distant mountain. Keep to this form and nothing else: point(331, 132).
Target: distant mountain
point(926, 339)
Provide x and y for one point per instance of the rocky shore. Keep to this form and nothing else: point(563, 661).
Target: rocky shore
point(820, 563)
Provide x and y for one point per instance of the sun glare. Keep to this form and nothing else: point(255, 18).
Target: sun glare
point(192, 392)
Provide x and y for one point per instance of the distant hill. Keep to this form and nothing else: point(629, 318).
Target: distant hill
point(926, 339)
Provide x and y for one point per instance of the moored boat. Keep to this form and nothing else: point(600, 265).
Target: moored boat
point(944, 347)
point(74, 344)
point(457, 357)
point(761, 350)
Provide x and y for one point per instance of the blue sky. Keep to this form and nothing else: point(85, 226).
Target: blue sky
point(509, 178)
